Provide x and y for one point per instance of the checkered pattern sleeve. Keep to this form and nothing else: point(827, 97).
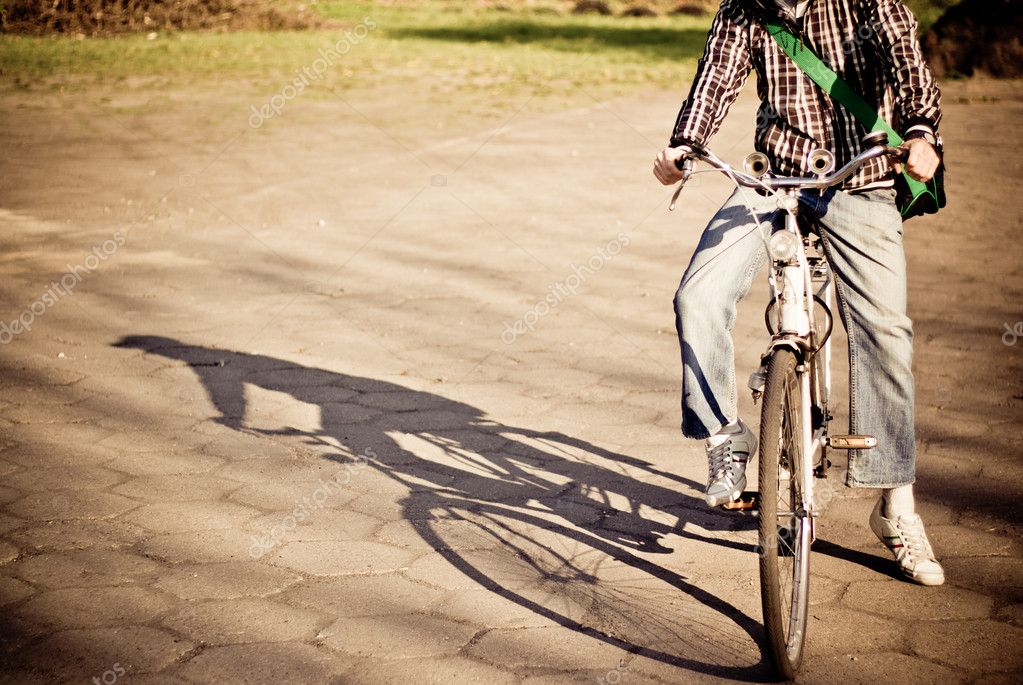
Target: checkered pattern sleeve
point(720, 75)
point(917, 97)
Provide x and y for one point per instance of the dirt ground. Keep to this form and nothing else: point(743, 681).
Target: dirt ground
point(367, 393)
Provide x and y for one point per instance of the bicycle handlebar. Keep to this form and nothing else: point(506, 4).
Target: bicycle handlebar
point(780, 182)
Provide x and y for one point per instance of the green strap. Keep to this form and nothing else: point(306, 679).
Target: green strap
point(839, 90)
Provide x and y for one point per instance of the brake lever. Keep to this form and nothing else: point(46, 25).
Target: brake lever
point(685, 165)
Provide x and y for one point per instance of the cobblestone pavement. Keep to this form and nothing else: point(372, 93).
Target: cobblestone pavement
point(333, 400)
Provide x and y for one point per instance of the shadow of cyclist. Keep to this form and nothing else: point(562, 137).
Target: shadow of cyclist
point(556, 517)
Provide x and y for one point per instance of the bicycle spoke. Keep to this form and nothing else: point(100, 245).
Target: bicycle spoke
point(783, 560)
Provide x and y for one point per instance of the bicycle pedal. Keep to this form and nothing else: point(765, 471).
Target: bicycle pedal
point(747, 502)
point(852, 442)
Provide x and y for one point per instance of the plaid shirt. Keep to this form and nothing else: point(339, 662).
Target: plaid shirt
point(871, 44)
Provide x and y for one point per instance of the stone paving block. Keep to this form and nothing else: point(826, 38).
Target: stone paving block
point(67, 436)
point(221, 622)
point(669, 669)
point(354, 596)
point(824, 591)
point(156, 679)
point(176, 488)
point(87, 653)
point(13, 590)
point(264, 663)
point(1009, 678)
point(429, 420)
point(31, 415)
point(201, 546)
point(161, 420)
point(402, 534)
point(870, 669)
point(93, 607)
point(9, 524)
point(65, 478)
point(308, 470)
point(465, 534)
point(852, 564)
point(898, 599)
point(80, 534)
point(397, 636)
point(999, 576)
point(838, 630)
point(552, 648)
point(70, 504)
point(8, 495)
point(51, 454)
point(231, 445)
point(339, 558)
point(138, 441)
point(83, 568)
point(992, 519)
point(305, 525)
point(230, 580)
point(285, 496)
point(19, 677)
point(163, 463)
point(35, 396)
point(434, 671)
point(1011, 613)
point(173, 518)
point(497, 609)
point(399, 400)
point(16, 634)
point(949, 542)
point(975, 645)
point(7, 467)
point(436, 570)
point(8, 552)
point(387, 509)
point(617, 675)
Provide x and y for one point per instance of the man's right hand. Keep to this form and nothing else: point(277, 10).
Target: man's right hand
point(664, 166)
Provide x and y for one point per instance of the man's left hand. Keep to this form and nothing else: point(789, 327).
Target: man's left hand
point(923, 159)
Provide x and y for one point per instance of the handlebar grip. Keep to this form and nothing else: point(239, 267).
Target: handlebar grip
point(900, 154)
point(680, 163)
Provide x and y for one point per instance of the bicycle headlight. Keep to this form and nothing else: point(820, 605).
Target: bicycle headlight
point(783, 245)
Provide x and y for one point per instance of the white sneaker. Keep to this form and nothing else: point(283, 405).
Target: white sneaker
point(906, 539)
point(727, 456)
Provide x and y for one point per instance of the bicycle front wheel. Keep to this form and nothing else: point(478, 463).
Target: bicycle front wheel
point(784, 529)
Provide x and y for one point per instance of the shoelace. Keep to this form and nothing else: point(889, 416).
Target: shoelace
point(914, 540)
point(720, 461)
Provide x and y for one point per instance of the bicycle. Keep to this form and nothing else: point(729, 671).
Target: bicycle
point(793, 385)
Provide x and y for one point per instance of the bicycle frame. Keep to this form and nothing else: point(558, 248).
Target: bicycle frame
point(798, 283)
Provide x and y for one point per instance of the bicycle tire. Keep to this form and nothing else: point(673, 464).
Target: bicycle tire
point(783, 534)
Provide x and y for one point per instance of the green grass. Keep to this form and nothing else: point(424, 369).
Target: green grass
point(928, 11)
point(465, 49)
point(444, 46)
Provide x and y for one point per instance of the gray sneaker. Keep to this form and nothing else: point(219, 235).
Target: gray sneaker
point(727, 456)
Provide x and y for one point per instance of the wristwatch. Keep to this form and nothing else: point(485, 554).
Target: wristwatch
point(923, 133)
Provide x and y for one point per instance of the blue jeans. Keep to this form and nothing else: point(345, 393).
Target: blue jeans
point(862, 236)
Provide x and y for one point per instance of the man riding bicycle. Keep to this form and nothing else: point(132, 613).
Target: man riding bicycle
point(872, 45)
